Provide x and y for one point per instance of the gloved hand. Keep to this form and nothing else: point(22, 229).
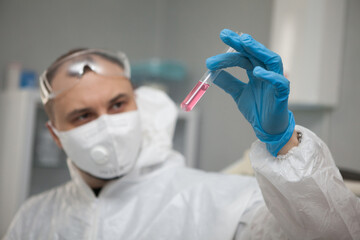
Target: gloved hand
point(264, 99)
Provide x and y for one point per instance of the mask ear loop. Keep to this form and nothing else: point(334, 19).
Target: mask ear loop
point(124, 59)
point(53, 128)
point(45, 88)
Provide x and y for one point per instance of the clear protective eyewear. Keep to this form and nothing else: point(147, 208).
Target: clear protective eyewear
point(69, 70)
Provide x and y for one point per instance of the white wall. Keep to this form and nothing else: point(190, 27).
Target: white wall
point(344, 121)
point(339, 127)
point(34, 32)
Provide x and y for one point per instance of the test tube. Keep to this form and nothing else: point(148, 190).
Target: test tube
point(200, 88)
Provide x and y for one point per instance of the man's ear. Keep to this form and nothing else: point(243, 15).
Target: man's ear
point(53, 135)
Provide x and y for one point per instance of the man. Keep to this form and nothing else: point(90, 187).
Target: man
point(128, 183)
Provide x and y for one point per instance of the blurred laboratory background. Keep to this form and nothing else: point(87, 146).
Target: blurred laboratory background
point(167, 42)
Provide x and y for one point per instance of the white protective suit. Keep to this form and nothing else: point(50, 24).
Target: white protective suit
point(162, 199)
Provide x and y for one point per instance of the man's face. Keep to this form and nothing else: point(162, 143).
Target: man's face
point(91, 97)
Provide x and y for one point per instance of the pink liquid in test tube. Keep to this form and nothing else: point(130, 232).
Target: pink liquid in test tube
point(194, 96)
point(200, 88)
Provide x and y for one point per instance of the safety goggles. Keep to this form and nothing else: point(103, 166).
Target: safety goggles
point(65, 73)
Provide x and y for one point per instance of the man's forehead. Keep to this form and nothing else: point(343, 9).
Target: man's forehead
point(92, 91)
point(66, 75)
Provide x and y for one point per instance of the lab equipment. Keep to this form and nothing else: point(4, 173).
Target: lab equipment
point(106, 147)
point(74, 66)
point(304, 192)
point(200, 88)
point(264, 99)
point(28, 79)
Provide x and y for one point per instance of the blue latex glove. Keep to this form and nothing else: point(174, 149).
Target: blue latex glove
point(264, 99)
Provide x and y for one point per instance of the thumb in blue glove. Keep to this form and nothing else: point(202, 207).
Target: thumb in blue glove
point(264, 99)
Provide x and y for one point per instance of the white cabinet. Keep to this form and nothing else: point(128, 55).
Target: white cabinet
point(308, 35)
point(186, 136)
point(17, 118)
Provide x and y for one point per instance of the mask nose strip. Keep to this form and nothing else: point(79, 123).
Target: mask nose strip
point(100, 155)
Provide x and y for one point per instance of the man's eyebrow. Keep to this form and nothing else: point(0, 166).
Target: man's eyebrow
point(117, 97)
point(77, 112)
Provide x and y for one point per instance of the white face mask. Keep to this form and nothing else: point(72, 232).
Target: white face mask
point(106, 147)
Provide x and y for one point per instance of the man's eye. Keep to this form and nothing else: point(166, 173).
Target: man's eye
point(117, 105)
point(82, 117)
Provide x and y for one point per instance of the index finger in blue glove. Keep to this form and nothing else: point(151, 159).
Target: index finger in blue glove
point(271, 60)
point(226, 60)
point(233, 39)
point(258, 54)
